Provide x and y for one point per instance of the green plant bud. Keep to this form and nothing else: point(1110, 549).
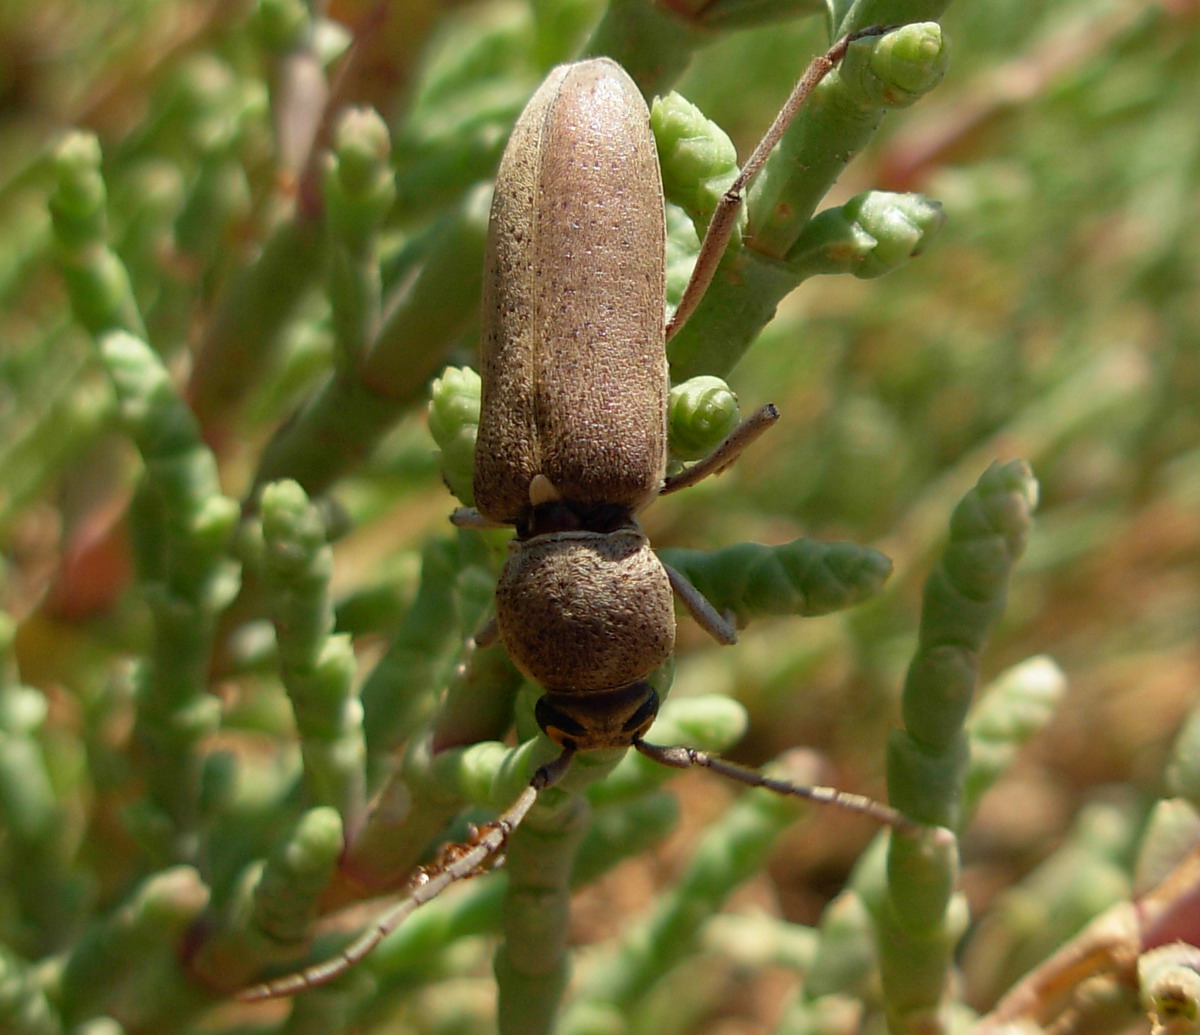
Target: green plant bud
point(1183, 771)
point(697, 158)
point(454, 424)
point(803, 577)
point(282, 25)
point(210, 98)
point(911, 61)
point(712, 722)
point(700, 413)
point(149, 406)
point(214, 520)
point(988, 531)
point(846, 952)
point(1018, 704)
point(897, 69)
point(158, 911)
point(359, 184)
point(1169, 988)
point(332, 677)
point(292, 528)
point(1005, 496)
point(901, 225)
point(330, 40)
point(98, 282)
point(489, 773)
point(362, 149)
point(872, 234)
point(24, 1009)
point(79, 198)
point(1171, 832)
point(708, 722)
point(22, 708)
point(199, 717)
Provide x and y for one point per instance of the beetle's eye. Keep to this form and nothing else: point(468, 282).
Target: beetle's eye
point(641, 720)
point(557, 724)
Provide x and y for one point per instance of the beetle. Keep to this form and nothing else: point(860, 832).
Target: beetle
point(572, 437)
point(572, 441)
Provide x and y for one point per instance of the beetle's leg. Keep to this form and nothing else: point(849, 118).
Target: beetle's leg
point(455, 862)
point(719, 626)
point(459, 862)
point(726, 453)
point(488, 634)
point(724, 217)
point(469, 517)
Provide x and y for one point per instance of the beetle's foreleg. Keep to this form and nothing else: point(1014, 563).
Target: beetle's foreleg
point(455, 862)
point(488, 634)
point(461, 861)
point(724, 218)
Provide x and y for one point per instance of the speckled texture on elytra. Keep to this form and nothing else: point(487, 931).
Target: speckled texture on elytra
point(573, 361)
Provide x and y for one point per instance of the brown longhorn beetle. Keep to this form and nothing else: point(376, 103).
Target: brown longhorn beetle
point(572, 309)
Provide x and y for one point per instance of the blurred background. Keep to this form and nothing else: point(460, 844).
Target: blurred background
point(1056, 318)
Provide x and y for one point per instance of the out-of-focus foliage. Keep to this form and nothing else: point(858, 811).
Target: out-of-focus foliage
point(1055, 318)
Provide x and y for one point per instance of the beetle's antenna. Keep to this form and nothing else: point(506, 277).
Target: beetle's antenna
point(687, 758)
point(454, 863)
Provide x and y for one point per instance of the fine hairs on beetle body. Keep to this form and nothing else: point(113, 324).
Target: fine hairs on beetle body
point(572, 442)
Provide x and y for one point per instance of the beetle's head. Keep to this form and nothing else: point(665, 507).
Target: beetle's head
point(600, 719)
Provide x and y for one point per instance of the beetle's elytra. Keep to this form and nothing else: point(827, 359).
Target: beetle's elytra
point(572, 358)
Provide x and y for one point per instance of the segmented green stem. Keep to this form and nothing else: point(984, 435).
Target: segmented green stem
point(927, 760)
point(318, 668)
point(184, 524)
point(803, 577)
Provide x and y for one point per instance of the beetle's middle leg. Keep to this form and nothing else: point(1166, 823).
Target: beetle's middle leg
point(469, 517)
point(719, 626)
point(726, 453)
